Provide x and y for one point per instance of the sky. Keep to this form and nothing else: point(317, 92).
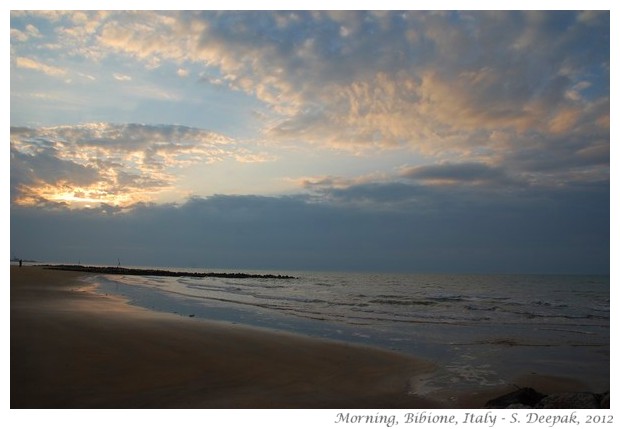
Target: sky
point(409, 141)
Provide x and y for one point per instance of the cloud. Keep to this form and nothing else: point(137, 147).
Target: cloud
point(503, 119)
point(415, 79)
point(121, 77)
point(29, 32)
point(471, 173)
point(45, 170)
point(110, 163)
point(429, 81)
point(540, 232)
point(28, 63)
point(18, 35)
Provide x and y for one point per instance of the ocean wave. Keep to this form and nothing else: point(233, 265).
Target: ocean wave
point(474, 310)
point(401, 302)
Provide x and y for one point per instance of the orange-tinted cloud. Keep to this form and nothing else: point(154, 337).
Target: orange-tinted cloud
point(111, 164)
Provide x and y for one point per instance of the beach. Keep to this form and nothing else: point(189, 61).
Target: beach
point(72, 348)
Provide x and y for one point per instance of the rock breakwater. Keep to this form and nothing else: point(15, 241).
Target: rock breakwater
point(162, 273)
point(529, 398)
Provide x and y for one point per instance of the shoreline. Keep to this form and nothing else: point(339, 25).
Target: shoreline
point(74, 348)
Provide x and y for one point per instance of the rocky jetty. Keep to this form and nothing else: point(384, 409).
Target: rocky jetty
point(529, 398)
point(163, 273)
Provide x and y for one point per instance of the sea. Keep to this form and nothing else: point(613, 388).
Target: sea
point(480, 330)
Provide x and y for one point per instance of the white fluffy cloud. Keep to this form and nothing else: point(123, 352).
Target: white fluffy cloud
point(29, 63)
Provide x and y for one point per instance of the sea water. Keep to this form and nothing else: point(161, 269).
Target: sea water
point(481, 330)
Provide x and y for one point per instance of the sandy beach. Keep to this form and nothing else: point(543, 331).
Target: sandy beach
point(72, 348)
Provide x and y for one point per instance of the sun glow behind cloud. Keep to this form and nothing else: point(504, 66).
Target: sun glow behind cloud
point(76, 196)
point(111, 164)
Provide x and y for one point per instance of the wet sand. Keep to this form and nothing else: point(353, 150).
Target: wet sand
point(73, 348)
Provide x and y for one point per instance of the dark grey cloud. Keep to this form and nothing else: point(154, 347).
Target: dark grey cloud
point(461, 172)
point(48, 167)
point(447, 230)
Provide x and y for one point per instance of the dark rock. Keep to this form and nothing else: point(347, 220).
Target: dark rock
point(524, 396)
point(518, 407)
point(576, 400)
point(605, 400)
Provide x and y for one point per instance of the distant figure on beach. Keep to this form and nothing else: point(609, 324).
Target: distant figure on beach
point(20, 262)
